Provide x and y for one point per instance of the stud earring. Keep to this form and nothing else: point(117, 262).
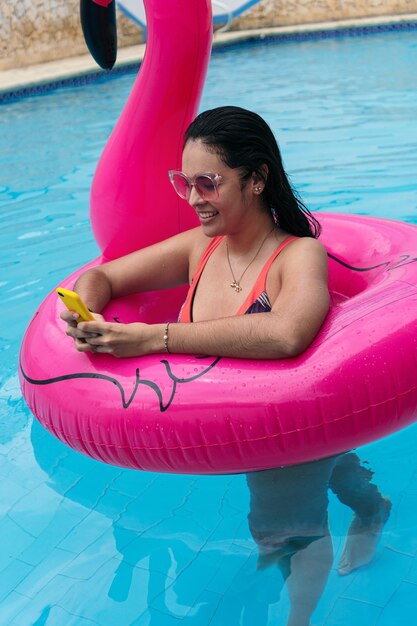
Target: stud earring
point(257, 189)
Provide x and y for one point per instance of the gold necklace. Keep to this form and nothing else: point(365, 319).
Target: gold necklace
point(235, 284)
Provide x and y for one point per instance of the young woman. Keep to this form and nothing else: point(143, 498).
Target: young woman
point(258, 289)
point(253, 227)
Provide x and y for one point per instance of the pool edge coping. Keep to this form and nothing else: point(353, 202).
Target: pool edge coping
point(18, 82)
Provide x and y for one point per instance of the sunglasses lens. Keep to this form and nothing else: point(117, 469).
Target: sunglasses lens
point(181, 186)
point(206, 187)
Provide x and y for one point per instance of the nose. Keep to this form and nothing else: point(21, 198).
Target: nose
point(195, 199)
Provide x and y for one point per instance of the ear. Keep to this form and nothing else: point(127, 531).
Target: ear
point(259, 179)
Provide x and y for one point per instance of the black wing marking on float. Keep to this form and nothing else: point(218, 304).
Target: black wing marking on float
point(126, 401)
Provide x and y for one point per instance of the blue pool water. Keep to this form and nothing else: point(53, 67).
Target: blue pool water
point(84, 543)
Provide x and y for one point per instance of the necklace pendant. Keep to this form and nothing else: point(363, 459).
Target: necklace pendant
point(236, 286)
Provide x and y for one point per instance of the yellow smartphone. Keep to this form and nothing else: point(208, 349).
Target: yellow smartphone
point(73, 302)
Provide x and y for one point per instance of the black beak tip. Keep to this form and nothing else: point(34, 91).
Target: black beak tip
point(99, 27)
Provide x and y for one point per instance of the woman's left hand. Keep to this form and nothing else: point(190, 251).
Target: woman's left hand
point(120, 340)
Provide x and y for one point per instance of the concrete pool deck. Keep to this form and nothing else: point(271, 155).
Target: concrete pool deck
point(34, 76)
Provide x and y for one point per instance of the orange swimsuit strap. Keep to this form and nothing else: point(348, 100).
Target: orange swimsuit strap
point(257, 289)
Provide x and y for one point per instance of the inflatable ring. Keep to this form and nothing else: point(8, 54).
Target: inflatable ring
point(187, 414)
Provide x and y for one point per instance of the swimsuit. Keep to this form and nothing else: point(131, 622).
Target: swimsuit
point(257, 300)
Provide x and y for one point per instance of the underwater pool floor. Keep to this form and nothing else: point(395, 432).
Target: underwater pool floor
point(92, 544)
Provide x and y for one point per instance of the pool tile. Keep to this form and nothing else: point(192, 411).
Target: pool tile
point(85, 532)
point(250, 597)
point(58, 528)
point(352, 612)
point(20, 478)
point(14, 540)
point(41, 574)
point(376, 583)
point(131, 483)
point(10, 493)
point(11, 606)
point(182, 528)
point(228, 569)
point(404, 527)
point(155, 553)
point(152, 617)
point(113, 503)
point(336, 587)
point(11, 576)
point(44, 603)
point(230, 530)
point(205, 606)
point(90, 488)
point(187, 586)
point(411, 575)
point(84, 565)
point(102, 597)
point(35, 509)
point(401, 609)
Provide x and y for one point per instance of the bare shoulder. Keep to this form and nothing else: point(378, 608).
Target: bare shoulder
point(198, 243)
point(306, 251)
point(307, 245)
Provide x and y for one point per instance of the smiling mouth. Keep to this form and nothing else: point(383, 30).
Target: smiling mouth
point(204, 215)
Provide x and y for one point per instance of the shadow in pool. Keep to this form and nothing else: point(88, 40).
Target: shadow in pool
point(156, 532)
point(187, 568)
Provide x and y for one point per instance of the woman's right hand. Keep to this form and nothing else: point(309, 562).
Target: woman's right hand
point(72, 318)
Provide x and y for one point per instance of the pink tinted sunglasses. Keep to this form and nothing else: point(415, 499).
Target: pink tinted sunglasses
point(206, 185)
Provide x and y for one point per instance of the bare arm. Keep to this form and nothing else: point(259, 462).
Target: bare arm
point(286, 331)
point(163, 265)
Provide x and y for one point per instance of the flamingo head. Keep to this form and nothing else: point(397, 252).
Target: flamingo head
point(98, 21)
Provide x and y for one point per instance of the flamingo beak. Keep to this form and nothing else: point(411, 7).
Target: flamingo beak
point(98, 21)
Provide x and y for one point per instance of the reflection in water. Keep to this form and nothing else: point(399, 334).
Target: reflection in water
point(161, 560)
point(288, 519)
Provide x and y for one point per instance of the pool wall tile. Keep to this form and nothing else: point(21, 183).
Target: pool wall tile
point(95, 76)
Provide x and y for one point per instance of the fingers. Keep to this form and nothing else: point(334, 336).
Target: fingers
point(70, 317)
point(76, 333)
point(82, 346)
point(93, 327)
point(84, 332)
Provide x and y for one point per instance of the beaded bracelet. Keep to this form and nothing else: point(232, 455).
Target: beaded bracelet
point(166, 336)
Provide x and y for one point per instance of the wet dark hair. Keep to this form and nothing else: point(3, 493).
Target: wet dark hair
point(243, 140)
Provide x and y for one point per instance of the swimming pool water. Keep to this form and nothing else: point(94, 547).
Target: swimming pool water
point(84, 543)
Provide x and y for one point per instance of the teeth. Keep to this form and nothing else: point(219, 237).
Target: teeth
point(206, 215)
